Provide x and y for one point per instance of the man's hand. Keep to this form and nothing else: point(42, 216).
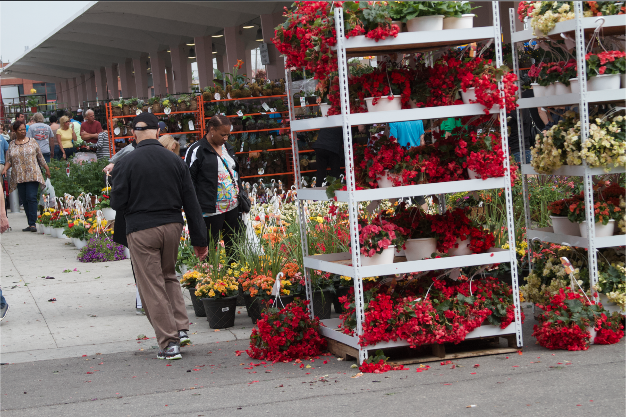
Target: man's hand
point(4, 223)
point(201, 251)
point(108, 169)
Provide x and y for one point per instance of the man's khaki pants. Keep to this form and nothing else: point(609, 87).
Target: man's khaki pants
point(154, 252)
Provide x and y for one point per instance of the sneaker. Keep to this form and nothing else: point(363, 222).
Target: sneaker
point(28, 229)
point(4, 311)
point(33, 229)
point(171, 352)
point(184, 338)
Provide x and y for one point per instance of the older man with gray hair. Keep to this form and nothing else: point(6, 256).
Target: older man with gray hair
point(42, 133)
point(90, 128)
point(150, 186)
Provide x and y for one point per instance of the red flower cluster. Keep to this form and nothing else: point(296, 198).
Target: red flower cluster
point(524, 8)
point(286, 335)
point(383, 154)
point(567, 317)
point(380, 367)
point(454, 226)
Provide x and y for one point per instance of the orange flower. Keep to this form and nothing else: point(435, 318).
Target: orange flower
point(238, 64)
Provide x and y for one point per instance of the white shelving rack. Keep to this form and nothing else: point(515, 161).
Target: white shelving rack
point(578, 27)
point(349, 264)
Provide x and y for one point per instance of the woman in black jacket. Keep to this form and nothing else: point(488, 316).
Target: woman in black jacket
point(215, 175)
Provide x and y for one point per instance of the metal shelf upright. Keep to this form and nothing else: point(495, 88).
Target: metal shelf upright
point(579, 26)
point(349, 264)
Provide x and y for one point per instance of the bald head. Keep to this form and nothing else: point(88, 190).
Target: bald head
point(145, 134)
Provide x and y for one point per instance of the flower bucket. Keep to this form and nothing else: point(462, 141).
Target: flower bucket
point(53, 232)
point(550, 90)
point(39, 227)
point(424, 23)
point(602, 230)
point(324, 109)
point(561, 88)
point(79, 243)
point(387, 180)
point(384, 104)
point(539, 90)
point(473, 175)
point(127, 254)
point(464, 22)
point(47, 229)
point(109, 214)
point(603, 82)
point(574, 86)
point(468, 95)
point(593, 333)
point(463, 248)
point(418, 249)
point(622, 78)
point(384, 258)
point(198, 305)
point(400, 252)
point(563, 226)
point(257, 306)
point(322, 304)
point(61, 233)
point(220, 312)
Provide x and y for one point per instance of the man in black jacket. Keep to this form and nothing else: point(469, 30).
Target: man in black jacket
point(150, 187)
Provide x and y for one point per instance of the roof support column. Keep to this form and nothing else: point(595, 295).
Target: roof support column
point(221, 63)
point(111, 72)
point(180, 70)
point(204, 57)
point(127, 79)
point(235, 48)
point(59, 89)
point(73, 93)
point(141, 76)
point(169, 79)
point(82, 90)
point(276, 67)
point(248, 63)
point(67, 94)
point(101, 84)
point(157, 65)
point(91, 86)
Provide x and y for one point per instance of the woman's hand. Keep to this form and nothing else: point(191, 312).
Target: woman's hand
point(64, 156)
point(47, 172)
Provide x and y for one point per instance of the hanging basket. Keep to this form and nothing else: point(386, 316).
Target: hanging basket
point(156, 108)
point(117, 111)
point(220, 312)
point(193, 106)
point(125, 109)
point(198, 305)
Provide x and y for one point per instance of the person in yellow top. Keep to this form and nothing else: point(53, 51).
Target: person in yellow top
point(66, 135)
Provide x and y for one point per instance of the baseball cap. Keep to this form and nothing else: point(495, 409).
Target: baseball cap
point(79, 111)
point(162, 126)
point(149, 119)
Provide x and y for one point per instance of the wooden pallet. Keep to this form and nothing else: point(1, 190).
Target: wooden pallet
point(435, 352)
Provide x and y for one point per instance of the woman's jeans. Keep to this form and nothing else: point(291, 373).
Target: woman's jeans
point(69, 152)
point(28, 194)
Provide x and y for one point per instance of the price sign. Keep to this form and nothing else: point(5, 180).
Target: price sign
point(217, 96)
point(166, 111)
point(265, 106)
point(302, 101)
point(191, 128)
point(138, 112)
point(149, 110)
point(239, 113)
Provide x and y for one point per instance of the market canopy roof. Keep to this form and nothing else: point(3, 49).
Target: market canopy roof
point(103, 33)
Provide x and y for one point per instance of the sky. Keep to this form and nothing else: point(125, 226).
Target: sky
point(26, 23)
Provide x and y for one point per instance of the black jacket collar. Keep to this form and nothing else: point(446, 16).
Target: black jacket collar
point(148, 142)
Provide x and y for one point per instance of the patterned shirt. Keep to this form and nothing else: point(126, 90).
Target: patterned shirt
point(227, 190)
point(26, 160)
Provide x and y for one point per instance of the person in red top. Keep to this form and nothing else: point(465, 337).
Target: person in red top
point(90, 128)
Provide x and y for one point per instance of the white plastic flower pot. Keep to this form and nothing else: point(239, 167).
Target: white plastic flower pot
point(418, 249)
point(603, 82)
point(464, 22)
point(387, 180)
point(473, 175)
point(593, 333)
point(384, 258)
point(39, 227)
point(550, 90)
point(622, 78)
point(563, 226)
point(463, 248)
point(324, 109)
point(127, 255)
point(561, 88)
point(538, 90)
point(53, 232)
point(79, 243)
point(108, 213)
point(574, 86)
point(468, 95)
point(425, 23)
point(47, 229)
point(384, 104)
point(400, 252)
point(602, 230)
point(61, 233)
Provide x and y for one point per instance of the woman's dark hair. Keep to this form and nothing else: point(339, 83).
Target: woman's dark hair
point(16, 125)
point(219, 120)
point(53, 119)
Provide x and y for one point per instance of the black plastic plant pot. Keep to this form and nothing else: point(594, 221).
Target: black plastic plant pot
point(259, 306)
point(220, 312)
point(322, 304)
point(198, 306)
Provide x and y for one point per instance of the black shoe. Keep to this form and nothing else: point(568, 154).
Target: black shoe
point(184, 338)
point(28, 229)
point(172, 351)
point(33, 229)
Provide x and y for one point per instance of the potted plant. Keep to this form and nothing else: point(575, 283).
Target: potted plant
point(33, 103)
point(101, 248)
point(604, 217)
point(186, 258)
point(155, 104)
point(78, 231)
point(116, 108)
point(383, 162)
point(458, 15)
point(604, 70)
point(378, 241)
point(559, 210)
point(421, 241)
point(419, 15)
point(218, 292)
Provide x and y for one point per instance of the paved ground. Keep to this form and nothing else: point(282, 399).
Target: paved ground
point(79, 355)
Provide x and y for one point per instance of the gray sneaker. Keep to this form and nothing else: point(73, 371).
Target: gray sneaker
point(184, 338)
point(4, 310)
point(172, 351)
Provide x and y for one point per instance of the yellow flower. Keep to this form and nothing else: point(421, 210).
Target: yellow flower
point(33, 91)
point(211, 293)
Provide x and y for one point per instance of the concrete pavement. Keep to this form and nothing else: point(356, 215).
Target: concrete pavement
point(79, 355)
